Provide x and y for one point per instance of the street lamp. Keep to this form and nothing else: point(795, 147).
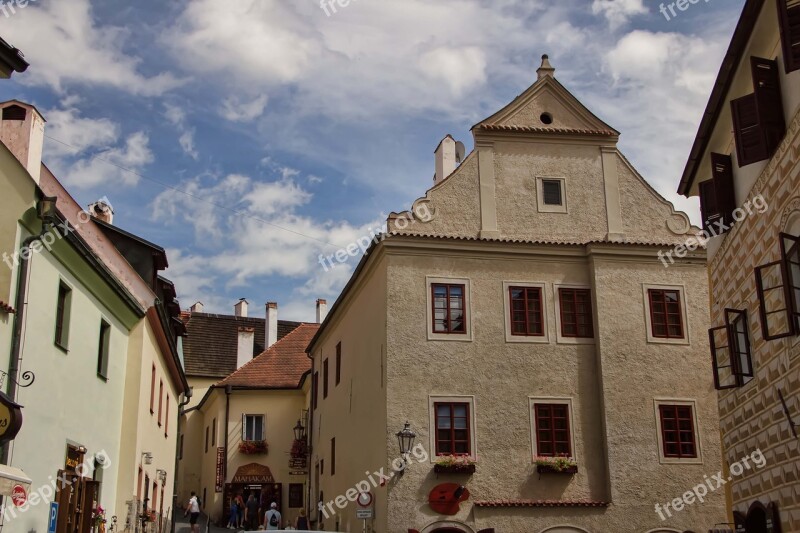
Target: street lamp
point(299, 431)
point(405, 439)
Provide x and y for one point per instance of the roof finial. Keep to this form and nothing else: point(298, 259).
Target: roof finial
point(546, 69)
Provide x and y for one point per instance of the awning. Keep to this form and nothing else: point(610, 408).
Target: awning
point(10, 477)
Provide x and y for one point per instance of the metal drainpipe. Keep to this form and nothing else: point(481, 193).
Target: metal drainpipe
point(228, 392)
point(188, 398)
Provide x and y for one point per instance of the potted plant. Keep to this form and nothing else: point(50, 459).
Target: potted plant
point(253, 447)
point(454, 464)
point(299, 449)
point(556, 465)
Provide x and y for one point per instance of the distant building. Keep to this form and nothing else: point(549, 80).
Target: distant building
point(744, 167)
point(250, 379)
point(518, 317)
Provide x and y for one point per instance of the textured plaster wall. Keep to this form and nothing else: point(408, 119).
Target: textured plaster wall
point(530, 114)
point(354, 413)
point(634, 373)
point(192, 428)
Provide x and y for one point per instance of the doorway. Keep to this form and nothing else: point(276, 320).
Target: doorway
point(756, 521)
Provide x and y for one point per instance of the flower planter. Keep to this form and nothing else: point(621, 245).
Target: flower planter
point(253, 447)
point(551, 469)
point(454, 469)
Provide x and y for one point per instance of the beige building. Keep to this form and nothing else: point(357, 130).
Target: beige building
point(250, 391)
point(744, 166)
point(520, 319)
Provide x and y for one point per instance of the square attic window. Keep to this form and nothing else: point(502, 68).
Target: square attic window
point(551, 192)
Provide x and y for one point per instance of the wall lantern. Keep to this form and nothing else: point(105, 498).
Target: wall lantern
point(405, 439)
point(162, 475)
point(47, 209)
point(299, 431)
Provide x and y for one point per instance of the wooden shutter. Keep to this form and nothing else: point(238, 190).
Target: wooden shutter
point(774, 307)
point(724, 375)
point(769, 102)
point(708, 205)
point(88, 495)
point(725, 196)
point(789, 19)
point(790, 256)
point(750, 144)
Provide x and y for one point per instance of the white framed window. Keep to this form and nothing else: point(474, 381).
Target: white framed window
point(449, 315)
point(677, 431)
point(574, 313)
point(525, 312)
point(452, 426)
point(552, 427)
point(665, 314)
point(551, 194)
point(254, 428)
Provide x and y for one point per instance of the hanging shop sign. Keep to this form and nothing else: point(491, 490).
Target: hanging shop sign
point(10, 418)
point(220, 469)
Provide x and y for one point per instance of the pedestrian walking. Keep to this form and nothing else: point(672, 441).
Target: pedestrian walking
point(272, 520)
point(301, 524)
point(233, 515)
point(240, 514)
point(251, 513)
point(193, 510)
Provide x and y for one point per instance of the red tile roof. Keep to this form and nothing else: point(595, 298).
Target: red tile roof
point(534, 129)
point(541, 503)
point(5, 308)
point(282, 366)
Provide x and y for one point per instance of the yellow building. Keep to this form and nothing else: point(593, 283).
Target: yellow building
point(744, 167)
point(519, 318)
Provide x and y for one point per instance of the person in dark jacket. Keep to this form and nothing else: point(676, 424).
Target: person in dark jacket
point(301, 524)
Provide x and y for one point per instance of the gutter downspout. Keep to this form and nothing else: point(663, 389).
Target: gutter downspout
point(19, 317)
point(228, 391)
point(187, 398)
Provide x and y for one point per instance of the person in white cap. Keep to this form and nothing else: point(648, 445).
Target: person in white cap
point(272, 520)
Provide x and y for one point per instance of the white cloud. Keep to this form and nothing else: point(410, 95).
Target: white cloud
point(618, 12)
point(177, 117)
point(65, 46)
point(71, 134)
point(459, 69)
point(113, 167)
point(236, 110)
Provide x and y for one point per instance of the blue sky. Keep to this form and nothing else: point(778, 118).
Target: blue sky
point(258, 134)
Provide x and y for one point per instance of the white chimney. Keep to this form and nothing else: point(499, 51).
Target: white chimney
point(322, 311)
point(244, 352)
point(271, 336)
point(22, 131)
point(445, 159)
point(240, 309)
point(197, 307)
point(102, 210)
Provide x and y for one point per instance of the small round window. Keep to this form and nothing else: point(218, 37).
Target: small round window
point(546, 118)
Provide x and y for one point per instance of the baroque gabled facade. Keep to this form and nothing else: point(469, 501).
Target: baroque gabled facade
point(744, 167)
point(519, 316)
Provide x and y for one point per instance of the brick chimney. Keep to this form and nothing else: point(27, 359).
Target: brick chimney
point(240, 309)
point(445, 159)
point(102, 210)
point(22, 131)
point(197, 308)
point(244, 351)
point(322, 311)
point(271, 333)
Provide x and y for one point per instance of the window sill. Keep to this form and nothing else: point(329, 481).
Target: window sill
point(454, 469)
point(658, 340)
point(61, 347)
point(549, 469)
point(451, 337)
point(680, 461)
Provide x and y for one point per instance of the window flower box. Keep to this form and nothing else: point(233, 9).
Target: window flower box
point(253, 447)
point(454, 464)
point(556, 465)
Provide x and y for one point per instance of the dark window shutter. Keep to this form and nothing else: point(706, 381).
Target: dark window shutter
point(789, 18)
point(769, 103)
point(751, 146)
point(790, 256)
point(724, 375)
point(722, 174)
point(774, 306)
point(708, 205)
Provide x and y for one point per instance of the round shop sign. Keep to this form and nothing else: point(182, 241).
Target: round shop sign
point(19, 496)
point(364, 499)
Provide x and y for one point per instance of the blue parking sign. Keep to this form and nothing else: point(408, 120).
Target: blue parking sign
point(53, 520)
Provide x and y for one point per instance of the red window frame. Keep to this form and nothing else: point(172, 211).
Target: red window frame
point(449, 328)
point(574, 323)
point(160, 400)
point(338, 363)
point(553, 432)
point(664, 314)
point(520, 311)
point(324, 379)
point(678, 435)
point(153, 390)
point(451, 439)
